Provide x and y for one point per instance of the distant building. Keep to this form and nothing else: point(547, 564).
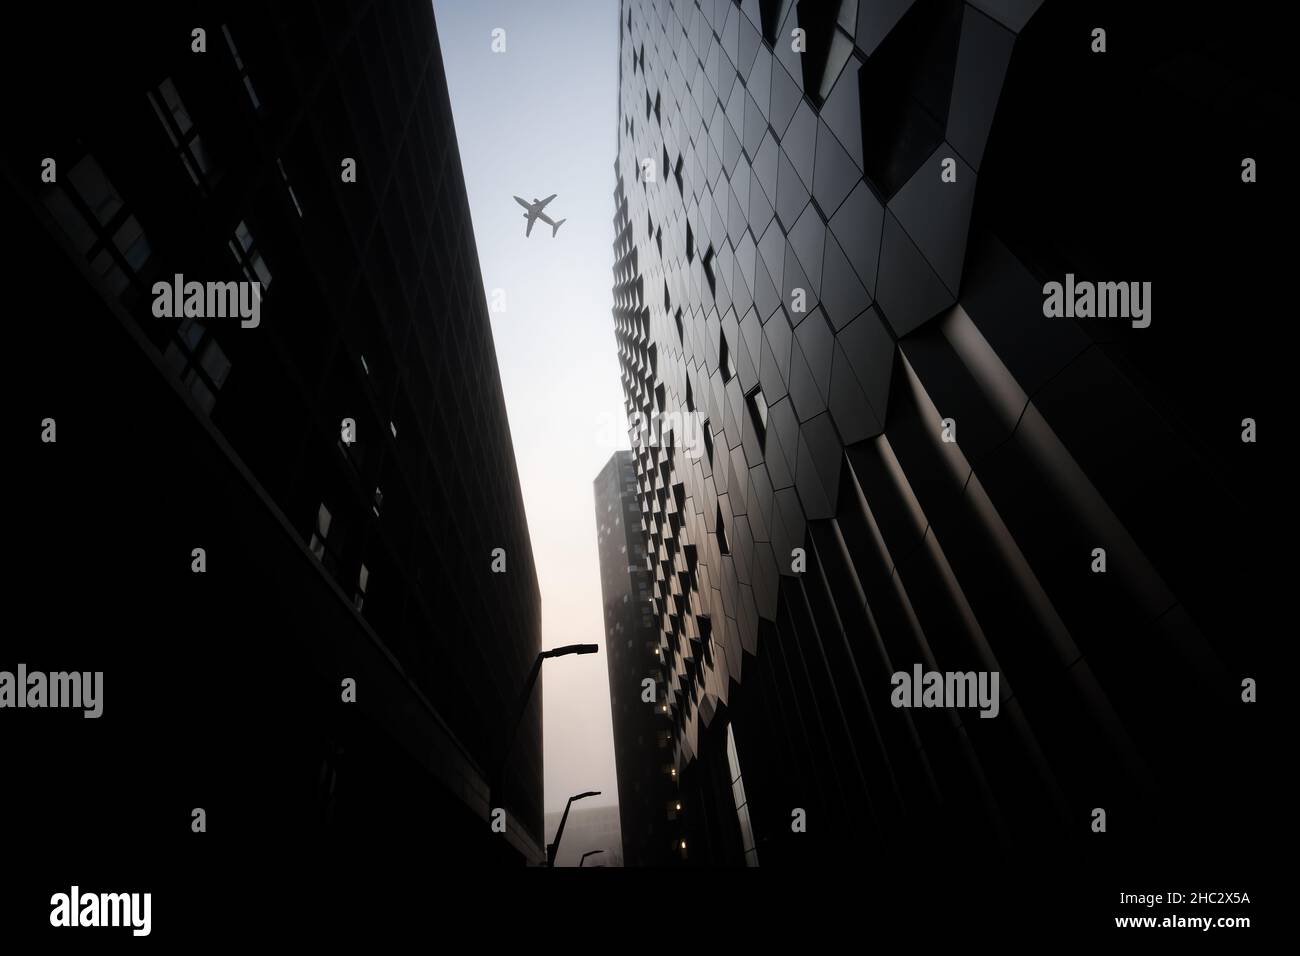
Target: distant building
point(643, 757)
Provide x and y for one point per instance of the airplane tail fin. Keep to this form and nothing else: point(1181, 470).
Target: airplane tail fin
point(556, 227)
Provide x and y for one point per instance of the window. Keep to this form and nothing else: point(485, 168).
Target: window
point(742, 804)
point(94, 189)
point(214, 362)
point(130, 241)
point(182, 134)
point(249, 257)
point(362, 580)
point(720, 527)
point(708, 441)
point(771, 13)
point(758, 414)
point(92, 214)
point(724, 359)
point(196, 358)
point(319, 544)
point(830, 27)
point(243, 70)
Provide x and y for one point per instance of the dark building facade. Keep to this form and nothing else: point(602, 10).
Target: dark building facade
point(334, 673)
point(837, 226)
point(643, 757)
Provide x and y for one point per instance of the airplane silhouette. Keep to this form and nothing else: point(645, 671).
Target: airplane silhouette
point(535, 213)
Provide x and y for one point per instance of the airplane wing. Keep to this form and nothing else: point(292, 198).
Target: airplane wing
point(529, 231)
point(521, 202)
point(546, 219)
point(548, 199)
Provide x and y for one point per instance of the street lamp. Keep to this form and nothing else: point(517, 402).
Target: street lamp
point(554, 848)
point(587, 854)
point(494, 784)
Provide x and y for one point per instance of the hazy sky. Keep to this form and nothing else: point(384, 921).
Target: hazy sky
point(542, 118)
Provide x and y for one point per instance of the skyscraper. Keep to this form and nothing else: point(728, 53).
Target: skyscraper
point(843, 232)
point(276, 501)
point(647, 792)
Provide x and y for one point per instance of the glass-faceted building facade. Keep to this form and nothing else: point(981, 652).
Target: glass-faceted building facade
point(837, 225)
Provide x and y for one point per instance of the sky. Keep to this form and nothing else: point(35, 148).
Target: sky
point(541, 118)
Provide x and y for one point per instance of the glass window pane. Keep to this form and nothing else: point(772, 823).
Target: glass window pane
point(202, 158)
point(190, 332)
point(105, 267)
point(202, 394)
point(95, 189)
point(69, 220)
point(262, 271)
point(174, 106)
point(215, 363)
point(132, 244)
point(841, 49)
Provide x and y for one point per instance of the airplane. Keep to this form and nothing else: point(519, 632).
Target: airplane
point(535, 213)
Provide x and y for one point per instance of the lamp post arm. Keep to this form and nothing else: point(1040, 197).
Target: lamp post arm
point(554, 849)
